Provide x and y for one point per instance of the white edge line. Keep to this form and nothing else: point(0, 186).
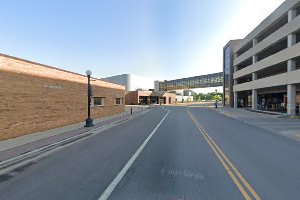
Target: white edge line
point(121, 174)
point(22, 157)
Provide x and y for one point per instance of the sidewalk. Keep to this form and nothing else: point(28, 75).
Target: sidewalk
point(18, 146)
point(276, 123)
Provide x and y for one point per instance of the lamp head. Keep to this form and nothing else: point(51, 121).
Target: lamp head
point(88, 72)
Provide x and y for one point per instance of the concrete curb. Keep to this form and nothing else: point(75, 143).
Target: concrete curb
point(295, 138)
point(226, 114)
point(23, 157)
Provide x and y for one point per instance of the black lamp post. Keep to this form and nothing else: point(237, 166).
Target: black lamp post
point(89, 120)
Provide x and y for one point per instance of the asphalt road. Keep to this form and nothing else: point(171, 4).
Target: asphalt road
point(172, 153)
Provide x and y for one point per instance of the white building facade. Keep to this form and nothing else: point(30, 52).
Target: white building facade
point(131, 82)
point(267, 63)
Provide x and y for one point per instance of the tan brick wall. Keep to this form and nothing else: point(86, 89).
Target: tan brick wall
point(133, 97)
point(171, 97)
point(36, 98)
point(144, 93)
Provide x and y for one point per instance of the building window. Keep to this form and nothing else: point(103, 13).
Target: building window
point(99, 101)
point(227, 85)
point(119, 101)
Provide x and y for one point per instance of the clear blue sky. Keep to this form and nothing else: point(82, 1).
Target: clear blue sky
point(161, 39)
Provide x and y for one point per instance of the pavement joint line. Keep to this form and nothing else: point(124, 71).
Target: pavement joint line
point(223, 157)
point(9, 162)
point(105, 195)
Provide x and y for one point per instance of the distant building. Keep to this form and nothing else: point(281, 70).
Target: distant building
point(131, 82)
point(187, 92)
point(180, 98)
point(184, 95)
point(140, 90)
point(140, 97)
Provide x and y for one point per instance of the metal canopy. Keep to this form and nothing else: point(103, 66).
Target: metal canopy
point(203, 81)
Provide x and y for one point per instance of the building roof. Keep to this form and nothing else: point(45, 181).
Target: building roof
point(18, 65)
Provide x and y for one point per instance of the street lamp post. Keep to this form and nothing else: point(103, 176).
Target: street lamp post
point(89, 120)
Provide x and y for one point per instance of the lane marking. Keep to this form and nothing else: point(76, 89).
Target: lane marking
point(235, 180)
point(5, 165)
point(252, 191)
point(121, 174)
point(222, 157)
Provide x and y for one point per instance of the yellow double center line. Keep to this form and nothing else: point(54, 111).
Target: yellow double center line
point(227, 164)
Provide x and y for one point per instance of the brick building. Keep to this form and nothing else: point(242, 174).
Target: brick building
point(36, 97)
point(149, 97)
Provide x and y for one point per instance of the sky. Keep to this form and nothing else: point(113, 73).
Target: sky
point(159, 39)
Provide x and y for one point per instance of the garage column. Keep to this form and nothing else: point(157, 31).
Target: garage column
point(291, 65)
point(254, 93)
point(291, 91)
point(235, 100)
point(235, 55)
point(235, 69)
point(254, 99)
point(254, 77)
point(291, 100)
point(254, 57)
point(292, 13)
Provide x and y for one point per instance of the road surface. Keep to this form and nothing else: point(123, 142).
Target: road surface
point(172, 153)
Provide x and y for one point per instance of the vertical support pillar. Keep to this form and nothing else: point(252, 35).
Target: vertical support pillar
point(235, 82)
point(254, 93)
point(291, 100)
point(291, 65)
point(235, 56)
point(235, 96)
point(254, 99)
point(291, 39)
point(235, 100)
point(254, 57)
point(255, 41)
point(254, 76)
point(235, 69)
point(292, 13)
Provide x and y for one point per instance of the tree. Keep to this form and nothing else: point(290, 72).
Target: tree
point(209, 96)
point(217, 97)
